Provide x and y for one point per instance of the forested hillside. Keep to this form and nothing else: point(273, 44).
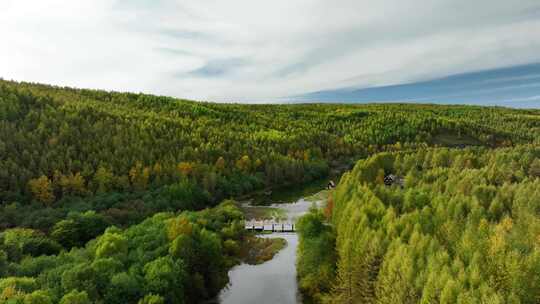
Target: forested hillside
point(462, 227)
point(128, 155)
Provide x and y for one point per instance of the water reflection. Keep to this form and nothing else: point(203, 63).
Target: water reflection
point(270, 282)
point(298, 208)
point(274, 281)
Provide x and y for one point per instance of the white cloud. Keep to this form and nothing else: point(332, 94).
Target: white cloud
point(264, 49)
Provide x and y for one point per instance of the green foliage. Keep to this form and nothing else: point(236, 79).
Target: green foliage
point(152, 299)
point(316, 257)
point(79, 228)
point(113, 245)
point(18, 242)
point(139, 264)
point(74, 162)
point(104, 270)
point(75, 297)
point(38, 297)
point(123, 288)
point(165, 276)
point(184, 247)
point(128, 156)
point(231, 247)
point(534, 169)
point(459, 231)
point(22, 284)
point(3, 263)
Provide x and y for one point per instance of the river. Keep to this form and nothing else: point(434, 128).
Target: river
point(270, 282)
point(273, 281)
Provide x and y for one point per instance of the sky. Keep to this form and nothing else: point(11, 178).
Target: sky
point(434, 51)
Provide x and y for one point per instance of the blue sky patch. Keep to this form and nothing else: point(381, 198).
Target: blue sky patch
point(517, 86)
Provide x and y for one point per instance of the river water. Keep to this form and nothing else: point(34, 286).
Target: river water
point(273, 281)
point(270, 282)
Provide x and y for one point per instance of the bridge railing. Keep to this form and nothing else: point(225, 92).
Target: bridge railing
point(271, 226)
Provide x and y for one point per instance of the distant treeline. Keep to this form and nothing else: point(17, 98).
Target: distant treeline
point(463, 227)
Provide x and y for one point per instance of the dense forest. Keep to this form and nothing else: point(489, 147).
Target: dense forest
point(127, 156)
point(109, 197)
point(165, 259)
point(457, 226)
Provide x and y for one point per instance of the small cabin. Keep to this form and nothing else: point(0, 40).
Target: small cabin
point(389, 179)
point(392, 179)
point(331, 185)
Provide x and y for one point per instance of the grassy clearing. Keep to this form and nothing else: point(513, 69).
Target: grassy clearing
point(257, 250)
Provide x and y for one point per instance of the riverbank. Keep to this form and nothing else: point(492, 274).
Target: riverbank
point(268, 273)
point(257, 250)
point(271, 282)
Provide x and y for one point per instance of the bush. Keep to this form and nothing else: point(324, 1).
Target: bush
point(22, 284)
point(152, 299)
point(18, 242)
point(75, 297)
point(38, 297)
point(79, 228)
point(123, 288)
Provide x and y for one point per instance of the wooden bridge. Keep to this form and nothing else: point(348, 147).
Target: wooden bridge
point(269, 226)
